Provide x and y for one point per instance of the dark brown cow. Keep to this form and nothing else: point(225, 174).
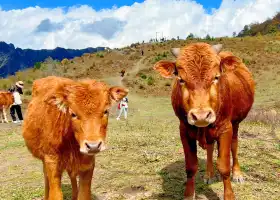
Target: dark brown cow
point(212, 94)
point(6, 100)
point(65, 126)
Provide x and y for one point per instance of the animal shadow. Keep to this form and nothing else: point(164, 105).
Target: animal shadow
point(67, 192)
point(174, 179)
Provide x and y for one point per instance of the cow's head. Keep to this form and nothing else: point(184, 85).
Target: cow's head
point(86, 105)
point(198, 72)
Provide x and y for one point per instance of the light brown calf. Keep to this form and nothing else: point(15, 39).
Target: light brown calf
point(6, 100)
point(65, 127)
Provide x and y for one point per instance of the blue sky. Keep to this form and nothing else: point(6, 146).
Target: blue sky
point(86, 24)
point(96, 4)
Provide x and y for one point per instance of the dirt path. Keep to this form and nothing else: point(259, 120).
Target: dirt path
point(117, 80)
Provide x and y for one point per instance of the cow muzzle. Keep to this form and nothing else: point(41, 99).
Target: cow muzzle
point(92, 147)
point(201, 117)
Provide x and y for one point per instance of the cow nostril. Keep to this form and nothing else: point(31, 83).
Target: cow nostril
point(87, 145)
point(99, 144)
point(194, 117)
point(209, 115)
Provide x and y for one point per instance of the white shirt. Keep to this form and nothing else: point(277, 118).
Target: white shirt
point(17, 99)
point(124, 103)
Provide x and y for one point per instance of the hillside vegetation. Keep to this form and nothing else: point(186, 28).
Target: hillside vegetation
point(270, 26)
point(260, 54)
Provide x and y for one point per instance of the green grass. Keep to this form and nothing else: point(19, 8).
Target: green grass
point(143, 160)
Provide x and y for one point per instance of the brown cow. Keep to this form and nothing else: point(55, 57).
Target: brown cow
point(213, 92)
point(6, 100)
point(65, 126)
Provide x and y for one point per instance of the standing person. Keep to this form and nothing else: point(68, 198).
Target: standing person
point(16, 107)
point(122, 73)
point(123, 106)
point(142, 52)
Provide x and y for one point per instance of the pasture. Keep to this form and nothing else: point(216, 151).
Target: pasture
point(144, 160)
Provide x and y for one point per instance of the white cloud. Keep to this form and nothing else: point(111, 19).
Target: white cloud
point(81, 27)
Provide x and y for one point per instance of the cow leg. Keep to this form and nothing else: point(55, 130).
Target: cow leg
point(209, 175)
point(237, 175)
point(47, 186)
point(74, 185)
point(54, 179)
point(85, 184)
point(190, 151)
point(5, 115)
point(1, 115)
point(223, 161)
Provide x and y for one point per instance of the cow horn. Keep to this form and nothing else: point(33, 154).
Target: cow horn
point(217, 48)
point(175, 51)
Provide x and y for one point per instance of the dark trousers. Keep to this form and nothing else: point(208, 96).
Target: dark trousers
point(13, 110)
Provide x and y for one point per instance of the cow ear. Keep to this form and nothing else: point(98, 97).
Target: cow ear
point(166, 68)
point(229, 61)
point(57, 99)
point(118, 93)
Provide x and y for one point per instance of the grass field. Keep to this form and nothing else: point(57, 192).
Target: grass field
point(144, 160)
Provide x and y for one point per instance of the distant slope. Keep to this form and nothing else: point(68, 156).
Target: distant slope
point(269, 26)
point(14, 59)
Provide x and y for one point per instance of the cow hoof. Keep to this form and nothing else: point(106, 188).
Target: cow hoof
point(190, 198)
point(238, 179)
point(209, 180)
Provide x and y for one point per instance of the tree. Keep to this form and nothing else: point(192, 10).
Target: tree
point(272, 29)
point(234, 34)
point(178, 38)
point(190, 36)
point(208, 37)
point(37, 65)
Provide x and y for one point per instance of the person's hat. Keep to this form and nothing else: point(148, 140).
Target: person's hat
point(19, 84)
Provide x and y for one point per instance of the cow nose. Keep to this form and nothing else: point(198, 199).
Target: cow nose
point(201, 117)
point(93, 147)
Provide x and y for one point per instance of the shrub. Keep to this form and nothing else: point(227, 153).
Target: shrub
point(28, 92)
point(246, 62)
point(100, 55)
point(37, 65)
point(143, 76)
point(150, 81)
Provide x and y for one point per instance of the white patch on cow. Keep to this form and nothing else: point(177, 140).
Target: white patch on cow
point(61, 106)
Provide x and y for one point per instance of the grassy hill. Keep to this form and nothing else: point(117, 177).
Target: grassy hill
point(260, 54)
point(144, 160)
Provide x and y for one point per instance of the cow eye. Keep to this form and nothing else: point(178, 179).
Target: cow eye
point(216, 79)
point(73, 115)
point(106, 112)
point(181, 81)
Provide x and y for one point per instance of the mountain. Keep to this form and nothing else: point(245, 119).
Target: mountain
point(267, 27)
point(14, 59)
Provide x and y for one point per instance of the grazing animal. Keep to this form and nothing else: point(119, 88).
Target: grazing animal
point(6, 100)
point(65, 126)
point(212, 93)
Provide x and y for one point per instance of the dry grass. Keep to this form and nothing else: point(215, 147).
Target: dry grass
point(144, 161)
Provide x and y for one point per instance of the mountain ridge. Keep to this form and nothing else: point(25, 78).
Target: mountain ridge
point(14, 59)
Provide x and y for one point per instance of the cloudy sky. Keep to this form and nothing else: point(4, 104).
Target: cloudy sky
point(46, 24)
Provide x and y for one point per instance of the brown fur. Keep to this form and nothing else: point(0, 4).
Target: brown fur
point(222, 83)
point(6, 100)
point(61, 116)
